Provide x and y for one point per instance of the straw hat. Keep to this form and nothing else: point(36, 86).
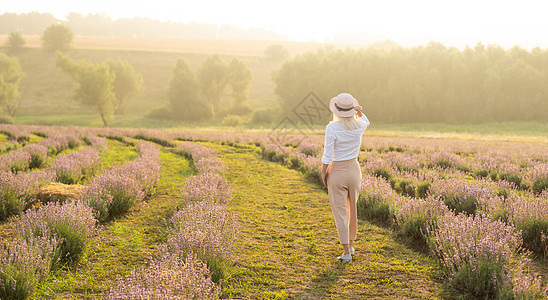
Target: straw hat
point(343, 105)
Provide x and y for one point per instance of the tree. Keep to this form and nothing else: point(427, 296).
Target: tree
point(15, 42)
point(127, 84)
point(213, 78)
point(276, 53)
point(57, 37)
point(94, 84)
point(240, 78)
point(184, 94)
point(10, 75)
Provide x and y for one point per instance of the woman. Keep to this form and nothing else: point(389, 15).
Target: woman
point(341, 173)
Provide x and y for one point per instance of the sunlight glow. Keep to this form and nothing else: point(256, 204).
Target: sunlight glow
point(454, 23)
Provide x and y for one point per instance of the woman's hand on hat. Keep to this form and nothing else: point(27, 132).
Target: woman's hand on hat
point(358, 108)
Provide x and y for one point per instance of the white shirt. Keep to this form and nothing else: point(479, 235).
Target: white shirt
point(341, 143)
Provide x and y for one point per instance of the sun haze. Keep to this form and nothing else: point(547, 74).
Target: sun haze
point(409, 23)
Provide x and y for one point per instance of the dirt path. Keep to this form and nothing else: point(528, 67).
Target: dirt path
point(288, 243)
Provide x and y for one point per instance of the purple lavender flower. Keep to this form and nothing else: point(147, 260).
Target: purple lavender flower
point(207, 187)
point(476, 252)
point(71, 223)
point(17, 191)
point(205, 228)
point(168, 277)
point(73, 167)
point(23, 264)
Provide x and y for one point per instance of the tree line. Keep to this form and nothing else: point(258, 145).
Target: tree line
point(432, 83)
point(103, 25)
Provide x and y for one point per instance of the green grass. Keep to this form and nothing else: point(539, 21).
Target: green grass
point(117, 153)
point(123, 244)
point(288, 243)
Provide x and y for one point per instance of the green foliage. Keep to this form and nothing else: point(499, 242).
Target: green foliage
point(10, 204)
point(57, 37)
point(373, 209)
point(156, 140)
point(16, 284)
point(276, 52)
point(233, 121)
point(262, 116)
point(184, 94)
point(127, 84)
point(94, 84)
point(213, 76)
point(240, 77)
point(406, 188)
point(382, 172)
point(6, 119)
point(513, 178)
point(540, 184)
point(481, 173)
point(10, 76)
point(422, 189)
point(535, 236)
point(15, 42)
point(430, 83)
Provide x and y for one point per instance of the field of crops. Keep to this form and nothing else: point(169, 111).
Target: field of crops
point(194, 213)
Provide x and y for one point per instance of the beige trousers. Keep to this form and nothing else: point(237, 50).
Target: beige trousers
point(343, 186)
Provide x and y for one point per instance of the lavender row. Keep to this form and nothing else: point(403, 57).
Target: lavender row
point(34, 155)
point(46, 239)
point(209, 184)
point(200, 241)
point(494, 270)
point(118, 188)
point(74, 167)
point(55, 235)
point(18, 190)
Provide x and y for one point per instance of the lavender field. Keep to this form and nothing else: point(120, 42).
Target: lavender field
point(181, 214)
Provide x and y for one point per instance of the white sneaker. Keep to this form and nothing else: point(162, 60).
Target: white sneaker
point(345, 258)
point(352, 250)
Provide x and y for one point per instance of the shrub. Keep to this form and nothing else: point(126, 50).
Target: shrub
point(206, 229)
point(156, 140)
point(6, 119)
point(168, 277)
point(112, 193)
point(382, 172)
point(17, 191)
point(117, 189)
point(538, 175)
point(530, 216)
point(416, 217)
point(422, 189)
point(15, 161)
point(37, 154)
point(233, 121)
point(376, 199)
point(262, 116)
point(481, 173)
point(207, 187)
point(74, 167)
point(23, 264)
point(458, 194)
point(72, 224)
point(309, 149)
point(477, 253)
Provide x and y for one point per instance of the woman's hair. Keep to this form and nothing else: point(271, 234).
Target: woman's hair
point(350, 123)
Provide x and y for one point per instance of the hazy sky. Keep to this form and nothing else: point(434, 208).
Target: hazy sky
point(407, 22)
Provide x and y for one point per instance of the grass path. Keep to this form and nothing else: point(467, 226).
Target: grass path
point(288, 243)
point(126, 243)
